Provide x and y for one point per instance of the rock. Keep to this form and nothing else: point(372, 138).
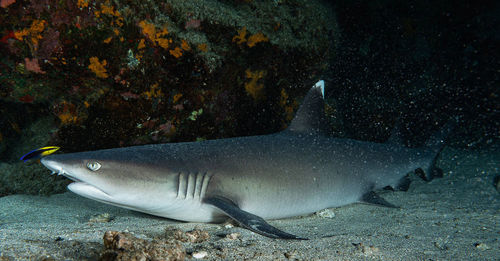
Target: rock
point(200, 254)
point(233, 236)
point(124, 246)
point(101, 218)
point(481, 246)
point(367, 250)
point(326, 213)
point(193, 236)
point(291, 254)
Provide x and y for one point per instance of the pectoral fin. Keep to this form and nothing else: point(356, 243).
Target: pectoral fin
point(374, 199)
point(248, 220)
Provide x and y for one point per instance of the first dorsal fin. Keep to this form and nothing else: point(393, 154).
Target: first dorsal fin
point(310, 117)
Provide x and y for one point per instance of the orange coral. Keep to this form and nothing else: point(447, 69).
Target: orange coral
point(177, 97)
point(34, 32)
point(107, 40)
point(256, 38)
point(154, 92)
point(82, 3)
point(149, 30)
point(98, 67)
point(252, 40)
point(106, 9)
point(241, 36)
point(253, 88)
point(141, 45)
point(185, 46)
point(163, 42)
point(67, 113)
point(177, 52)
point(203, 47)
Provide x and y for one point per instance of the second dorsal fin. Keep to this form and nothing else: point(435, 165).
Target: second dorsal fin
point(310, 117)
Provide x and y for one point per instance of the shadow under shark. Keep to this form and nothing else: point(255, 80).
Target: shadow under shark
point(294, 172)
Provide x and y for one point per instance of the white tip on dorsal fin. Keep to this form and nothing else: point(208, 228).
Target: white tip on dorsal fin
point(310, 118)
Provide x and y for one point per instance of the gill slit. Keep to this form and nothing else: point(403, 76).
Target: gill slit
point(192, 185)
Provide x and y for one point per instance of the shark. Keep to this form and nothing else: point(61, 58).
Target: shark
point(294, 172)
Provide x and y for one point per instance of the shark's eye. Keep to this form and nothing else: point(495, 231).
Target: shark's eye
point(93, 165)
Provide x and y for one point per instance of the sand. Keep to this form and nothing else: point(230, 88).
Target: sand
point(456, 217)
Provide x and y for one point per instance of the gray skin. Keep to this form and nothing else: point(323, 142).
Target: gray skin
point(294, 172)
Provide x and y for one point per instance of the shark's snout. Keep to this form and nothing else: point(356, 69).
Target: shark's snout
point(53, 165)
point(57, 168)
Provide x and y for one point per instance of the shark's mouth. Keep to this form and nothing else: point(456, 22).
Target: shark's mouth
point(89, 191)
point(79, 186)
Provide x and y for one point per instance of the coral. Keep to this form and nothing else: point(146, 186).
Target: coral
point(252, 40)
point(6, 3)
point(185, 46)
point(176, 98)
point(177, 52)
point(202, 47)
point(154, 92)
point(67, 113)
point(141, 44)
point(253, 88)
point(32, 65)
point(155, 36)
point(256, 38)
point(193, 23)
point(34, 33)
point(82, 3)
point(98, 67)
point(241, 36)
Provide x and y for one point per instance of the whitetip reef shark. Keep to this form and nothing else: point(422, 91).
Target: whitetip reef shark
point(294, 172)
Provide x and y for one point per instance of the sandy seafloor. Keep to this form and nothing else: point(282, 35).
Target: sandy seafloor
point(456, 217)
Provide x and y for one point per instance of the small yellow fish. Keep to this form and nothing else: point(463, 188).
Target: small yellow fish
point(38, 153)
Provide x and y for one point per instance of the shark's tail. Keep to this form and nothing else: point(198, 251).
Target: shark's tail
point(432, 147)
